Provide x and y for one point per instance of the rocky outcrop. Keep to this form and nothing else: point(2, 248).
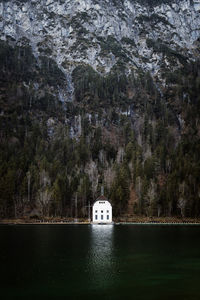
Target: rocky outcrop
point(102, 33)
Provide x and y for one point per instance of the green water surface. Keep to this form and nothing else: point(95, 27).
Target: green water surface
point(138, 262)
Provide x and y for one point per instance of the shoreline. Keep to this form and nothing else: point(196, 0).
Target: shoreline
point(116, 221)
point(117, 224)
point(81, 223)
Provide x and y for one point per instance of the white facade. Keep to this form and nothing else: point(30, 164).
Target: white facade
point(102, 212)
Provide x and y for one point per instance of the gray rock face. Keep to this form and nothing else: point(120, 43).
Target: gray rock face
point(104, 33)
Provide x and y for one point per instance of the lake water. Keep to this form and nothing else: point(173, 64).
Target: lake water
point(154, 262)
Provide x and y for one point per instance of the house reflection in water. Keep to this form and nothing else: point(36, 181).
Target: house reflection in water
point(101, 256)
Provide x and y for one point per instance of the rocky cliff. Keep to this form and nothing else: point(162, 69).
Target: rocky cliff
point(102, 33)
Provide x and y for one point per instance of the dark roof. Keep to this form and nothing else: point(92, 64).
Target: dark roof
point(102, 197)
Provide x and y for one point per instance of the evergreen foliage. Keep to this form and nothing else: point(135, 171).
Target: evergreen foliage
point(125, 133)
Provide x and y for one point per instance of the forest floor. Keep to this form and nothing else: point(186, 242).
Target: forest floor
point(119, 220)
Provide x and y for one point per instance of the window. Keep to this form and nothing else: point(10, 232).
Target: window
point(107, 217)
point(96, 217)
point(96, 211)
point(101, 211)
point(107, 211)
point(101, 217)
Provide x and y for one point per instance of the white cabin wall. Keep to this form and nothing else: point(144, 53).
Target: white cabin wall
point(99, 210)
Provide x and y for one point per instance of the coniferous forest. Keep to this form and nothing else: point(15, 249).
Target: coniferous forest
point(123, 131)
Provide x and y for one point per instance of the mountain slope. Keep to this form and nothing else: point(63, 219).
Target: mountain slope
point(100, 92)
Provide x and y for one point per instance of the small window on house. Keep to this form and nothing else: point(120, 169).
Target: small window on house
point(102, 211)
point(107, 217)
point(107, 211)
point(95, 217)
point(101, 217)
point(96, 211)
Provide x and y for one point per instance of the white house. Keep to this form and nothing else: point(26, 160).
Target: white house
point(102, 211)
